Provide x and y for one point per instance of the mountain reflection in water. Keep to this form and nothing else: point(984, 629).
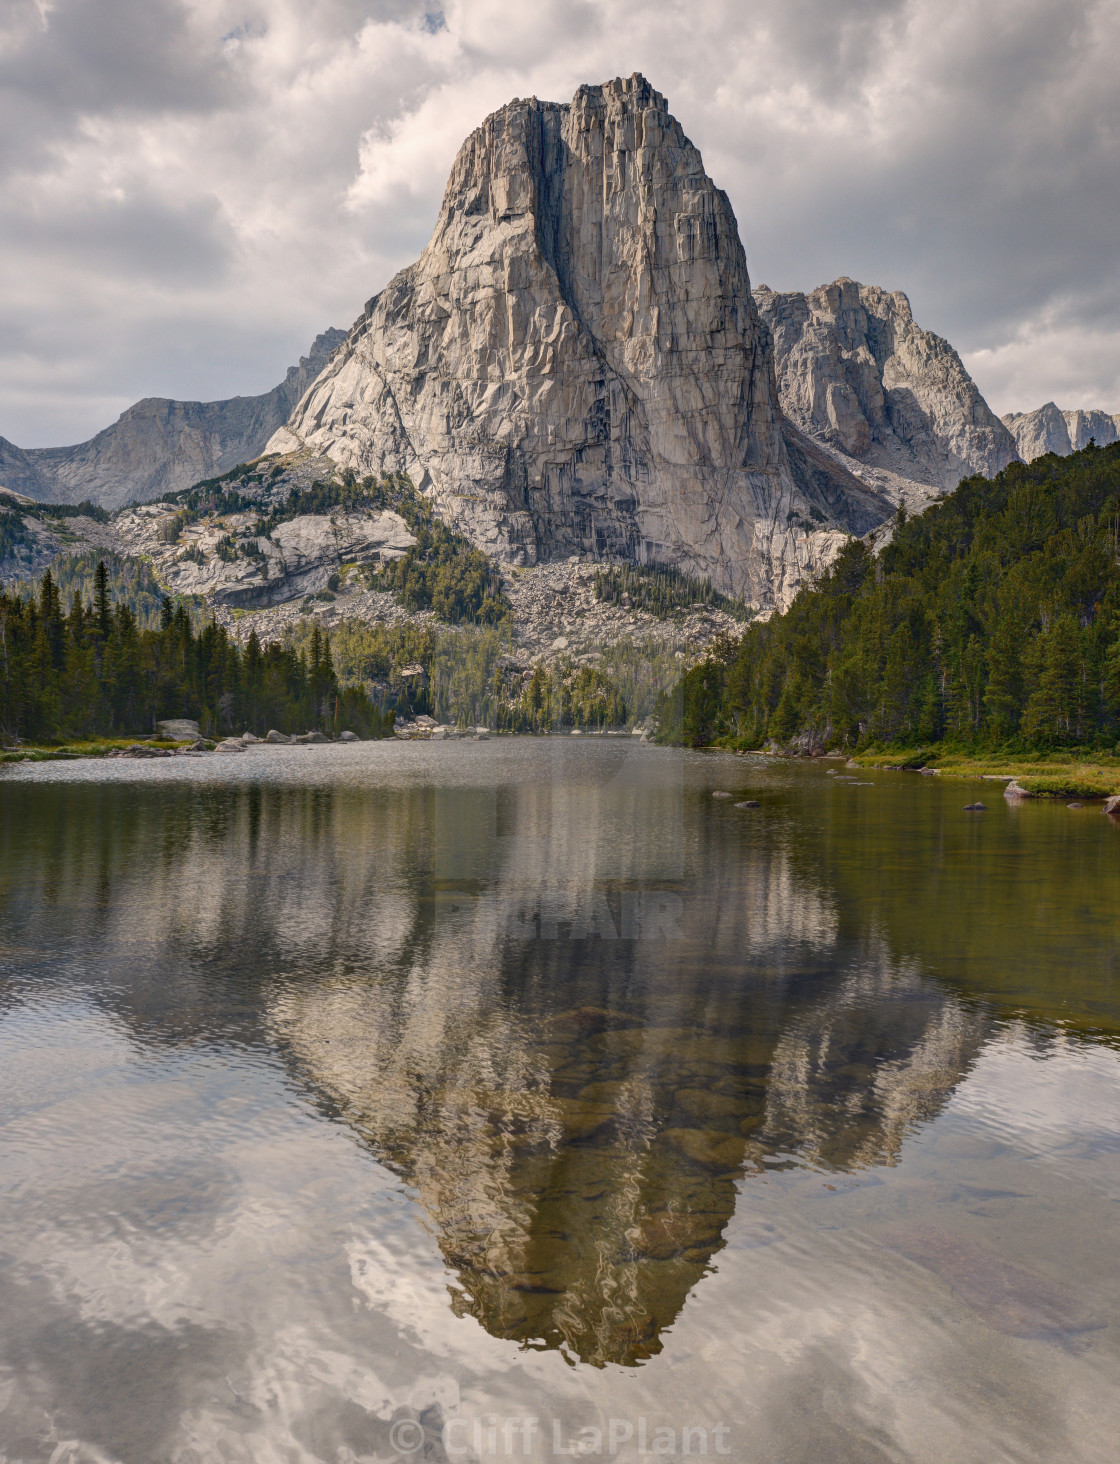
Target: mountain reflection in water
point(575, 1013)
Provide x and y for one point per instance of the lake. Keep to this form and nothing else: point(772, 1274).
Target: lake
point(522, 1099)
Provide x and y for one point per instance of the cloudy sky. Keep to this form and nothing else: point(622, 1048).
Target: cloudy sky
point(191, 189)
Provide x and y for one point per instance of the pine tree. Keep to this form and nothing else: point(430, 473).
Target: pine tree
point(1052, 713)
point(1003, 696)
point(101, 603)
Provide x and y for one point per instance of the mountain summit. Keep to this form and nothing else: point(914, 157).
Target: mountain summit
point(1048, 429)
point(575, 364)
point(892, 401)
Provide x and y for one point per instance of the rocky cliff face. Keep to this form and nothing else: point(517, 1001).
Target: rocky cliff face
point(1048, 429)
point(892, 401)
point(575, 363)
point(158, 445)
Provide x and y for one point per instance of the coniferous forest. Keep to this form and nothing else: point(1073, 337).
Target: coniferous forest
point(89, 670)
point(991, 621)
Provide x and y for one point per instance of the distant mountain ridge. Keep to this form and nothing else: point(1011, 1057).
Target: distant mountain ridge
point(1049, 429)
point(893, 402)
point(158, 445)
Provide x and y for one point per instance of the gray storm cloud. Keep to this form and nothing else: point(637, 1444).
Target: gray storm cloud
point(193, 188)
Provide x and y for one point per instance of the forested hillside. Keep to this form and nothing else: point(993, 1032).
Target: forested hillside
point(992, 620)
point(90, 670)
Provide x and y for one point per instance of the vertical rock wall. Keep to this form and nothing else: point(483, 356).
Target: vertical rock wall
point(575, 363)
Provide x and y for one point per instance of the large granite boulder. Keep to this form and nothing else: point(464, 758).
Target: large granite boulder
point(177, 729)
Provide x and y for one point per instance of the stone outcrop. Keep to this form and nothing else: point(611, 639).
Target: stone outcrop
point(891, 400)
point(229, 562)
point(575, 364)
point(158, 445)
point(1048, 429)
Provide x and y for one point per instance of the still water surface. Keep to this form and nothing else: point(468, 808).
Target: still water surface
point(373, 1102)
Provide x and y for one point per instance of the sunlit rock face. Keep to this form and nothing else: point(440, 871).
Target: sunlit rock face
point(1049, 429)
point(297, 557)
point(859, 376)
point(575, 363)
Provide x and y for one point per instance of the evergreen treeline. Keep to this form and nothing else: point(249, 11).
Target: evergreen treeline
point(471, 677)
point(443, 573)
point(565, 697)
point(131, 580)
point(662, 591)
point(91, 671)
point(990, 621)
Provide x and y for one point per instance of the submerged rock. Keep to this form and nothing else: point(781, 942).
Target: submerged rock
point(670, 1233)
point(703, 1103)
point(710, 1148)
point(1010, 1299)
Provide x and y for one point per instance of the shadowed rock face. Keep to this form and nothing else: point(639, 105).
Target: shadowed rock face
point(858, 375)
point(158, 445)
point(1048, 429)
point(575, 363)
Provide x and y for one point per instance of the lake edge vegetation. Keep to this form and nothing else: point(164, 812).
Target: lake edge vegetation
point(92, 671)
point(989, 626)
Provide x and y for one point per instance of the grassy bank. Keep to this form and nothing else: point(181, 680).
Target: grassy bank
point(1045, 774)
point(88, 747)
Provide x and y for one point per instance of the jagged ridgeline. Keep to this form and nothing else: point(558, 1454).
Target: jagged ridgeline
point(991, 620)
